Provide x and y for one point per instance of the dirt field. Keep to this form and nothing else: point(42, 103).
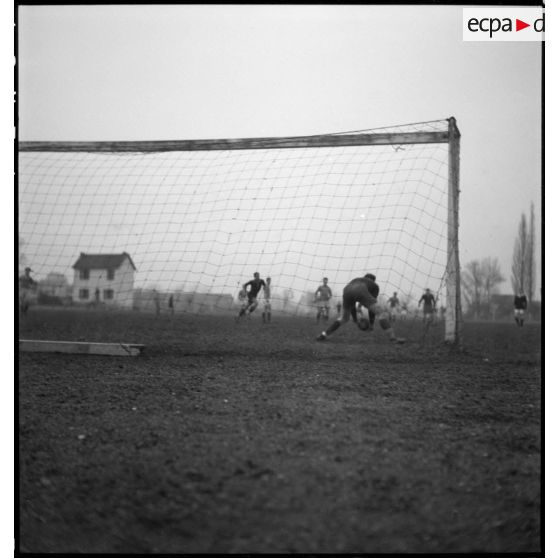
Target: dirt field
point(227, 438)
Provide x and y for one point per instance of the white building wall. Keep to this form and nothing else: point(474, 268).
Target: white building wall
point(122, 286)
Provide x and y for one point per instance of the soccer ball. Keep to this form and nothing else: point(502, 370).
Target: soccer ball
point(363, 323)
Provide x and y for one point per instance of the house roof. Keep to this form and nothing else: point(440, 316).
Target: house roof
point(102, 261)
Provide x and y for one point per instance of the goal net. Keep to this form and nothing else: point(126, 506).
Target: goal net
point(132, 224)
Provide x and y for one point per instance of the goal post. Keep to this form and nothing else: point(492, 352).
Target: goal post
point(197, 217)
point(453, 283)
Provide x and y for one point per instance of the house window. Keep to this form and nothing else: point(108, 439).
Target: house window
point(110, 274)
point(108, 294)
point(84, 293)
point(84, 274)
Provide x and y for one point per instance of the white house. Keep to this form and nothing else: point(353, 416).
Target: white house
point(104, 278)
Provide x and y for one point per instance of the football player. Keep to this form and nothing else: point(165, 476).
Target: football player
point(251, 295)
point(519, 307)
point(361, 291)
point(321, 298)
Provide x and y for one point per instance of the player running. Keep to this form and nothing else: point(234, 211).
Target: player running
point(519, 307)
point(321, 298)
point(363, 291)
point(266, 315)
point(251, 295)
point(26, 287)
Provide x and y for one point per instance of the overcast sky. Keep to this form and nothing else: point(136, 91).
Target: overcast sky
point(193, 72)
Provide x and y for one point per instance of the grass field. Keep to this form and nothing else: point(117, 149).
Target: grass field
point(227, 438)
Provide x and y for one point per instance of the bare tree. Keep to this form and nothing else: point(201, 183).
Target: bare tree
point(472, 282)
point(480, 280)
point(519, 257)
point(523, 263)
point(492, 276)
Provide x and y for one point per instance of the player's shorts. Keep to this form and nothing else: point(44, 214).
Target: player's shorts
point(354, 294)
point(252, 302)
point(519, 312)
point(267, 304)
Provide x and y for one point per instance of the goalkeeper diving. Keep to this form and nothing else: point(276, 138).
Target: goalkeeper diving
point(363, 292)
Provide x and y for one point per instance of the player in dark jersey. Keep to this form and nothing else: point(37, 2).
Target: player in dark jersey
point(429, 305)
point(428, 309)
point(519, 307)
point(360, 291)
point(251, 288)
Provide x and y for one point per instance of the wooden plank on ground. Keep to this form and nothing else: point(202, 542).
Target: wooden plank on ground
point(80, 347)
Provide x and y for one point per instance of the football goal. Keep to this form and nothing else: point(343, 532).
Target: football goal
point(180, 226)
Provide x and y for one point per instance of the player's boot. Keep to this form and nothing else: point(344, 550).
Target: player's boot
point(321, 337)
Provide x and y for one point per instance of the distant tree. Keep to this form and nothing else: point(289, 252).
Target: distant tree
point(480, 280)
point(523, 264)
point(471, 279)
point(492, 277)
point(519, 257)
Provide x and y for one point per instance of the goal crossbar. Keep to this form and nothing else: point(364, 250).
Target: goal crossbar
point(327, 140)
